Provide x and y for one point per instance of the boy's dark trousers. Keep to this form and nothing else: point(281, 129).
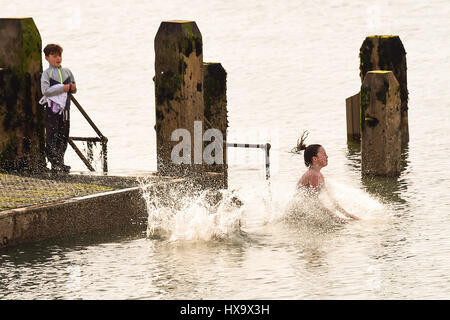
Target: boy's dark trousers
point(57, 135)
point(57, 131)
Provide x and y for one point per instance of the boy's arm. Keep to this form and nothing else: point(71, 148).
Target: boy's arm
point(46, 89)
point(72, 81)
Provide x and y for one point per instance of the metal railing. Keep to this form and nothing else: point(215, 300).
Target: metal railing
point(90, 141)
point(265, 147)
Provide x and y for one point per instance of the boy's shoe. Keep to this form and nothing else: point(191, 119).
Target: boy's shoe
point(65, 168)
point(60, 168)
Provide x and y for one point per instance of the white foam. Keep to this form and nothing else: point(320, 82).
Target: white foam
point(215, 215)
point(204, 215)
point(357, 201)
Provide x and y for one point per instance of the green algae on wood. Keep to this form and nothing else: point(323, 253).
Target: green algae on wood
point(365, 100)
point(169, 87)
point(21, 45)
point(383, 91)
point(380, 124)
point(215, 91)
point(22, 139)
point(365, 53)
point(32, 46)
point(192, 40)
point(215, 98)
point(178, 88)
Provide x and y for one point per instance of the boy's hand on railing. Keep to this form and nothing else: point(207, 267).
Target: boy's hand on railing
point(67, 87)
point(73, 87)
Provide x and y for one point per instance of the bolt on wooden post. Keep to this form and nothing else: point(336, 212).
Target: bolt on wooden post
point(387, 53)
point(22, 135)
point(178, 90)
point(215, 98)
point(380, 124)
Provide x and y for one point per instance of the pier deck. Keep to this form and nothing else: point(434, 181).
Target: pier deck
point(34, 208)
point(22, 191)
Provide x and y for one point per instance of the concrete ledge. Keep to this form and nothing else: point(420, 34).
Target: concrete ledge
point(99, 211)
point(76, 215)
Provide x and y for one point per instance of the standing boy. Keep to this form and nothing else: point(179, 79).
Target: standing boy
point(57, 84)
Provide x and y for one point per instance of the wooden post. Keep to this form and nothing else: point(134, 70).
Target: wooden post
point(22, 138)
point(178, 90)
point(380, 124)
point(215, 98)
point(353, 117)
point(387, 53)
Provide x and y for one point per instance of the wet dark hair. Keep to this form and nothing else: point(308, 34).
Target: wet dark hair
point(52, 49)
point(310, 151)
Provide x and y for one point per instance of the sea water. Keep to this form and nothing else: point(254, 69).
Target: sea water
point(290, 66)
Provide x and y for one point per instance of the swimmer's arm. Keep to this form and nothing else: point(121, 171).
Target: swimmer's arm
point(340, 209)
point(344, 212)
point(333, 215)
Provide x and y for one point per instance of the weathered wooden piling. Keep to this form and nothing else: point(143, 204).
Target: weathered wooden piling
point(215, 98)
point(387, 53)
point(352, 105)
point(380, 124)
point(22, 139)
point(178, 93)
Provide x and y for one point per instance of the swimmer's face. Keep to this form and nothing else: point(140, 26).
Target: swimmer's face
point(321, 158)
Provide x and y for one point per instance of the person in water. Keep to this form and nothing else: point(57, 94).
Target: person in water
point(312, 180)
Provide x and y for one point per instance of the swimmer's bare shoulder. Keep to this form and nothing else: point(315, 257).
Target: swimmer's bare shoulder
point(310, 179)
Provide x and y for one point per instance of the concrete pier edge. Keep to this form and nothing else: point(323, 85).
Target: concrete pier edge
point(93, 212)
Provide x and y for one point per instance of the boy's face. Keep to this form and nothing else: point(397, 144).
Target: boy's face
point(54, 59)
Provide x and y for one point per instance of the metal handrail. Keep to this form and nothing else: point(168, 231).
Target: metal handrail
point(265, 146)
point(90, 140)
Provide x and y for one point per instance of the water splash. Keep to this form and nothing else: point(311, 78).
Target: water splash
point(357, 201)
point(306, 212)
point(178, 215)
